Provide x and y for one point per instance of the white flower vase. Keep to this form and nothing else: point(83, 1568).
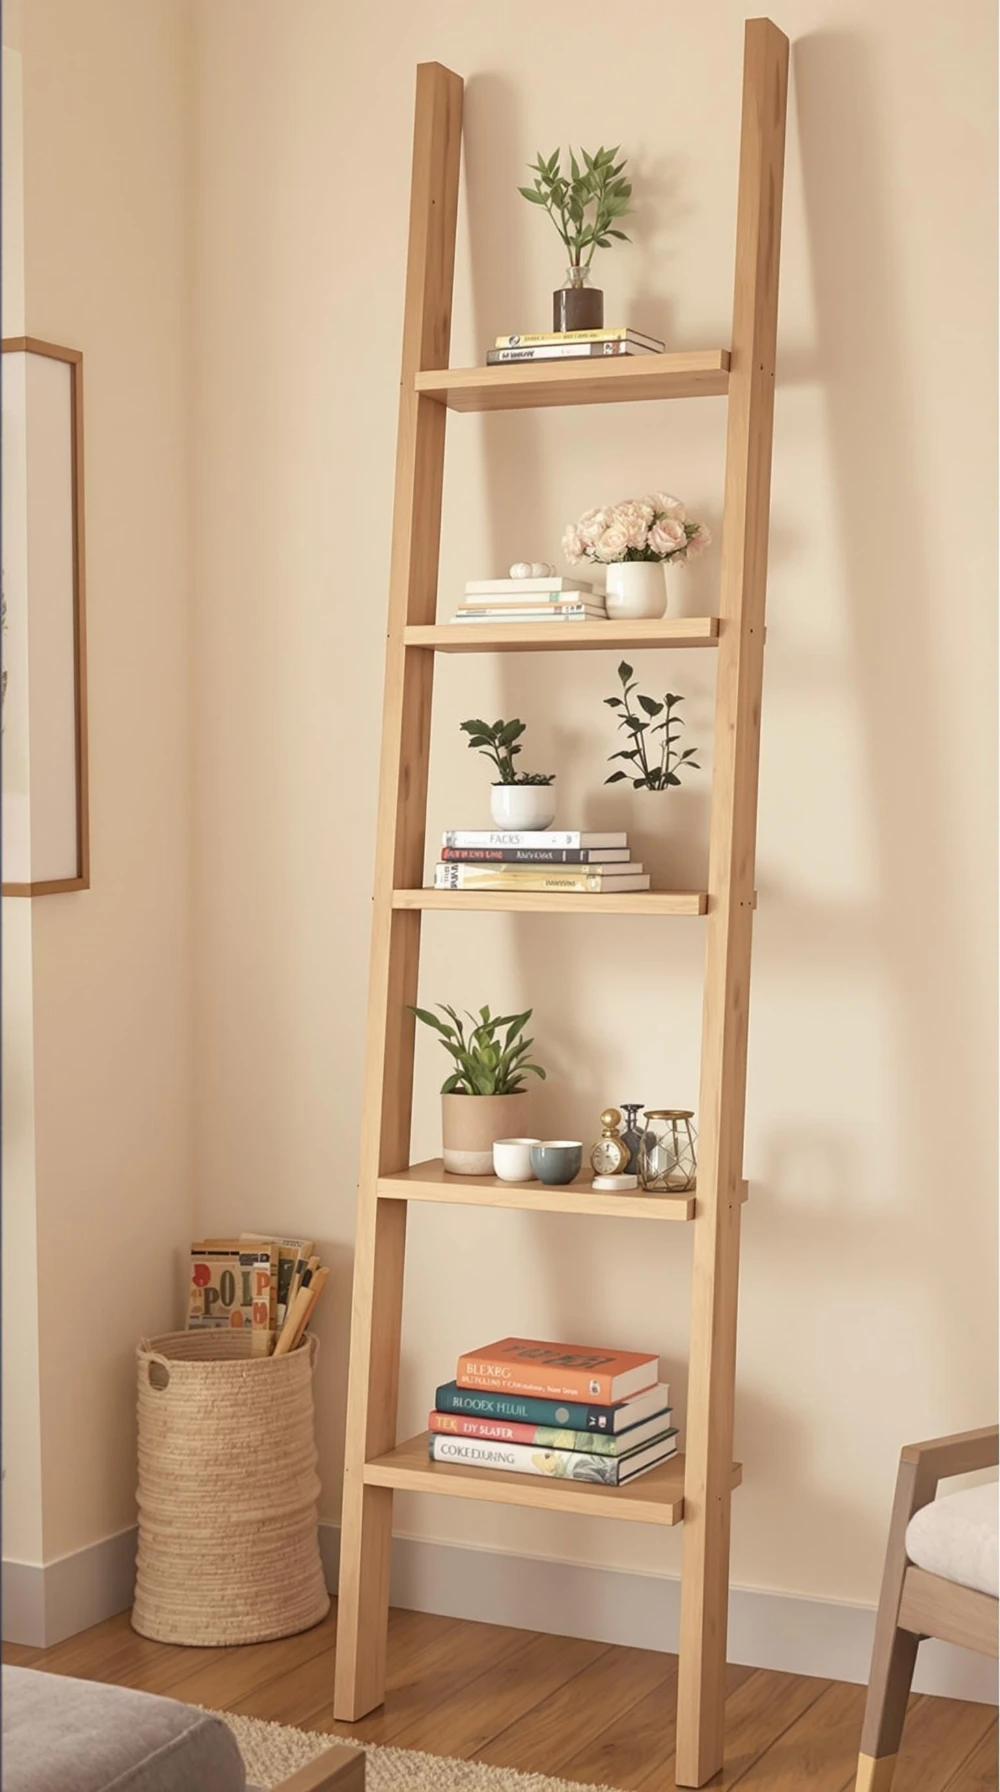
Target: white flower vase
point(522, 808)
point(636, 590)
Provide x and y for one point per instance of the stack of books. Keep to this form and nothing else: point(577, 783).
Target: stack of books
point(572, 345)
point(267, 1286)
point(531, 600)
point(564, 1410)
point(485, 859)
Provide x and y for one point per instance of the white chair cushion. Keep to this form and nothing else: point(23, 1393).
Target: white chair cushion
point(958, 1537)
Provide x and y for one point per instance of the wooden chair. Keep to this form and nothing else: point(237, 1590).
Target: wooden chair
point(915, 1603)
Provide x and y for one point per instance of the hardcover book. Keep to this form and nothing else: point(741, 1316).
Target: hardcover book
point(598, 880)
point(569, 1465)
point(557, 1371)
point(550, 1437)
point(570, 351)
point(527, 837)
point(620, 333)
point(535, 855)
point(220, 1295)
point(525, 587)
point(575, 1415)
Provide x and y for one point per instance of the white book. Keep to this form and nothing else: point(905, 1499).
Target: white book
point(586, 880)
point(569, 1465)
point(590, 614)
point(487, 587)
point(527, 837)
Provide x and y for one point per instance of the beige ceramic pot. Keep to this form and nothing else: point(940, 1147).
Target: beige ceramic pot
point(471, 1123)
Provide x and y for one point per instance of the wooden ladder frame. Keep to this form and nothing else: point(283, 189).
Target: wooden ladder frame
point(375, 1465)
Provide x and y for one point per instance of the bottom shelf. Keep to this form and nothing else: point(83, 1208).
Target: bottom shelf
point(656, 1497)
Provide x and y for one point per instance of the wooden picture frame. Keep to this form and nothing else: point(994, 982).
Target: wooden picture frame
point(46, 835)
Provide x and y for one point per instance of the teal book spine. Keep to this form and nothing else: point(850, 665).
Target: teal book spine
point(568, 1415)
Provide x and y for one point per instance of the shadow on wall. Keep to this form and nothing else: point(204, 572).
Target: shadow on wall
point(916, 939)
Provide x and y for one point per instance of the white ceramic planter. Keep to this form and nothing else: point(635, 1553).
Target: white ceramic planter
point(636, 589)
point(522, 808)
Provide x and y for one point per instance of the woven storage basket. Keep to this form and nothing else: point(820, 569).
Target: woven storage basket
point(228, 1537)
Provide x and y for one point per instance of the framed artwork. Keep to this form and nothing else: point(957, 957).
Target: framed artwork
point(45, 839)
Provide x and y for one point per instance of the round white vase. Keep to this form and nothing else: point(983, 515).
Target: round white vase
point(636, 589)
point(522, 808)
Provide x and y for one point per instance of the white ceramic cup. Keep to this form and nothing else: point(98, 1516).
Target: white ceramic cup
point(512, 1160)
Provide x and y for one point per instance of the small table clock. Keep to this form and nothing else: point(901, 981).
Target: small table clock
point(610, 1155)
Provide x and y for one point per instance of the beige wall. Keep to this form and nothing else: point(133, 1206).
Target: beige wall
point(868, 1286)
point(268, 293)
point(107, 269)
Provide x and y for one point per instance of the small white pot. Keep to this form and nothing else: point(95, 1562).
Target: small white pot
point(522, 808)
point(636, 589)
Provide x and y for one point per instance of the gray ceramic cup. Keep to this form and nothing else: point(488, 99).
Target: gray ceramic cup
point(557, 1160)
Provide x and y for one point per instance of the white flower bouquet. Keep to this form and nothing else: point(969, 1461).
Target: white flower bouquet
point(651, 528)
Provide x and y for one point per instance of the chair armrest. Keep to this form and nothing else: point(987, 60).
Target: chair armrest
point(941, 1457)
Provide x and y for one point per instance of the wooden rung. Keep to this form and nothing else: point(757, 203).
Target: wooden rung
point(563, 637)
point(656, 1497)
point(550, 902)
point(430, 1182)
point(531, 385)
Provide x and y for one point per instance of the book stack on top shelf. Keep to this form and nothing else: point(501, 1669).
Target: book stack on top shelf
point(549, 599)
point(564, 860)
point(572, 345)
point(563, 1410)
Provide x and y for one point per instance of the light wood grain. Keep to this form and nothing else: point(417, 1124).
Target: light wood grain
point(565, 637)
point(656, 1497)
point(722, 1100)
point(581, 1710)
point(533, 385)
point(815, 1754)
point(875, 1775)
point(553, 902)
point(430, 1182)
point(378, 1266)
point(339, 1769)
point(958, 1454)
point(932, 1606)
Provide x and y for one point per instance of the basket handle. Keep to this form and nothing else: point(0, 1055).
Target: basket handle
point(157, 1367)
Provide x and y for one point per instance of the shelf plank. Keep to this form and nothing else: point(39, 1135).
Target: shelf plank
point(532, 385)
point(430, 1182)
point(656, 1497)
point(548, 637)
point(553, 902)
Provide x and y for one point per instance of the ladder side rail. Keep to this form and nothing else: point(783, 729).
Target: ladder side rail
point(366, 1534)
point(722, 1098)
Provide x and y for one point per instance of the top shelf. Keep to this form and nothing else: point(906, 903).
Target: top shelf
point(532, 385)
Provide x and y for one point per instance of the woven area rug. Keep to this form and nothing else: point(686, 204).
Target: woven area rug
point(273, 1751)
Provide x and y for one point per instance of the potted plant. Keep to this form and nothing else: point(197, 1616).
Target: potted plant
point(583, 206)
point(519, 801)
point(484, 1098)
point(651, 765)
point(636, 540)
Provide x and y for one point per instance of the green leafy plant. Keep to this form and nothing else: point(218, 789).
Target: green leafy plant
point(584, 203)
point(647, 770)
point(485, 1064)
point(499, 742)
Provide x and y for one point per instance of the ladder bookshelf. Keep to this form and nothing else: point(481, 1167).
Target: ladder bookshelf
point(697, 1486)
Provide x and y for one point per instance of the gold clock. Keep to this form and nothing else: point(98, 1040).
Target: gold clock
point(610, 1155)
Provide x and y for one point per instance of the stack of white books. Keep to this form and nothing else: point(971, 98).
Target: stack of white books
point(531, 600)
point(560, 860)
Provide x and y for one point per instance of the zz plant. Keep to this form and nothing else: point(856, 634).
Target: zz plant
point(485, 1063)
point(499, 741)
point(651, 765)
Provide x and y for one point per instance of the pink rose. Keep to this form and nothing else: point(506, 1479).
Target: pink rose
point(699, 540)
point(667, 537)
point(592, 525)
point(634, 517)
point(614, 543)
point(572, 545)
point(666, 505)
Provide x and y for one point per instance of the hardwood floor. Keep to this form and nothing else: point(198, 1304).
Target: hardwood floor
point(549, 1704)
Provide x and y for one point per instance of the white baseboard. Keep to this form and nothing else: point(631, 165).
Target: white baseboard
point(44, 1605)
point(821, 1637)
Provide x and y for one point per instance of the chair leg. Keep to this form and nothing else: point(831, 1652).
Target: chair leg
point(895, 1651)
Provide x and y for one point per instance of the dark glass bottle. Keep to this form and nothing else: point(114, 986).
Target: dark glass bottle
point(632, 1135)
point(577, 305)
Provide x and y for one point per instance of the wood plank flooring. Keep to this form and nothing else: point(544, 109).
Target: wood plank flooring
point(581, 1711)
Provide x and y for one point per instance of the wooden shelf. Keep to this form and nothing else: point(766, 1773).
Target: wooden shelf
point(530, 385)
point(656, 1497)
point(542, 637)
point(429, 1182)
point(553, 902)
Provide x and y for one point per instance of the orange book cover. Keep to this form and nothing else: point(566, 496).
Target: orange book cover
point(558, 1371)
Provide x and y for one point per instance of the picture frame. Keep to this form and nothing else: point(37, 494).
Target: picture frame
point(45, 808)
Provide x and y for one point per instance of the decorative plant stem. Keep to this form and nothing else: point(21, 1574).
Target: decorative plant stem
point(498, 741)
point(597, 189)
point(484, 1065)
point(649, 771)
